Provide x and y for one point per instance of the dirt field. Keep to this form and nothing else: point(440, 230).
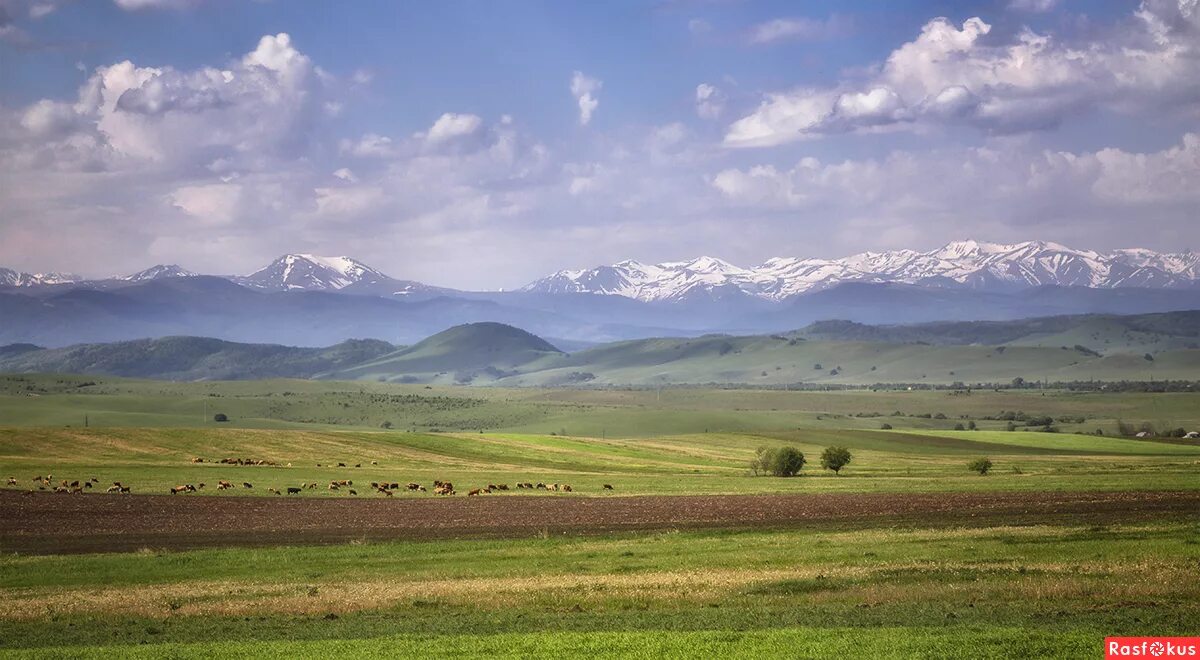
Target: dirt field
point(54, 523)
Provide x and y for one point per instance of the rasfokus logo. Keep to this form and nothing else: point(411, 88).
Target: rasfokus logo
point(1152, 647)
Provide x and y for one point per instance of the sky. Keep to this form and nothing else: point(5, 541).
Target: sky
point(481, 145)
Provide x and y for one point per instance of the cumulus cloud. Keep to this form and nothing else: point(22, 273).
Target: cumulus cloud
point(451, 126)
point(584, 89)
point(951, 74)
point(1005, 185)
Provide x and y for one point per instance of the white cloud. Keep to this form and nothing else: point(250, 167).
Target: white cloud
point(1033, 6)
point(211, 204)
point(135, 5)
point(710, 101)
point(800, 29)
point(370, 145)
point(584, 88)
point(952, 74)
point(451, 125)
point(345, 174)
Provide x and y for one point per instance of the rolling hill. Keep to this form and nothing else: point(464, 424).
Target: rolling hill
point(1089, 347)
point(192, 358)
point(470, 353)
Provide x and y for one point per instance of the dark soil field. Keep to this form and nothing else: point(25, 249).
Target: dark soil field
point(57, 523)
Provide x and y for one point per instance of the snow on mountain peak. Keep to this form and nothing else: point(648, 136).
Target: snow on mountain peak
point(311, 272)
point(161, 271)
point(966, 263)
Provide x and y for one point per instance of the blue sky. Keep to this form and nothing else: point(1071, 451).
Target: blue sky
point(449, 142)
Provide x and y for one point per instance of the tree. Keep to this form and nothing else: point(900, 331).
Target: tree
point(220, 417)
point(885, 426)
point(971, 425)
point(959, 427)
point(980, 465)
point(760, 463)
point(785, 461)
point(1018, 382)
point(835, 458)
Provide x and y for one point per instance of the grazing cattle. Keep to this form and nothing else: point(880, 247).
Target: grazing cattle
point(502, 486)
point(374, 462)
point(87, 484)
point(358, 465)
point(608, 487)
point(542, 486)
point(75, 484)
point(421, 488)
point(474, 491)
point(394, 486)
point(114, 489)
point(333, 486)
point(443, 490)
point(566, 488)
point(125, 490)
point(294, 491)
point(413, 486)
point(386, 492)
point(341, 465)
point(247, 484)
point(12, 481)
point(201, 485)
point(353, 492)
point(197, 460)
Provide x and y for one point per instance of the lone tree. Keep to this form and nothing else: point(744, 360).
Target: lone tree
point(980, 465)
point(835, 458)
point(777, 461)
point(220, 417)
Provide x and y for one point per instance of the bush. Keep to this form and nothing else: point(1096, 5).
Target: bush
point(220, 417)
point(885, 427)
point(971, 425)
point(980, 465)
point(777, 461)
point(835, 458)
point(1010, 427)
point(385, 425)
point(959, 427)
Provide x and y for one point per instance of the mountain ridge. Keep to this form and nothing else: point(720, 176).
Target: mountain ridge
point(959, 264)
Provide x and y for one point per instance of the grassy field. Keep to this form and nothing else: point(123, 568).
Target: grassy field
point(890, 590)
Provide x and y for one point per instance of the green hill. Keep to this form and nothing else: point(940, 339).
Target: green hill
point(474, 353)
point(1103, 333)
point(192, 358)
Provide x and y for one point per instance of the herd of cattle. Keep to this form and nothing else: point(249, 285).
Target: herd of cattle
point(382, 487)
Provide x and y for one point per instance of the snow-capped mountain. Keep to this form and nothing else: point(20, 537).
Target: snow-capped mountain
point(10, 277)
point(960, 264)
point(311, 272)
point(159, 272)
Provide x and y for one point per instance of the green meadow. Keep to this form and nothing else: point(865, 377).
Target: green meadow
point(887, 589)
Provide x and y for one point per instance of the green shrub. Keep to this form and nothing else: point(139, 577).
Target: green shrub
point(980, 465)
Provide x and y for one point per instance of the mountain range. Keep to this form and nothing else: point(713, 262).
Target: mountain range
point(960, 264)
point(310, 300)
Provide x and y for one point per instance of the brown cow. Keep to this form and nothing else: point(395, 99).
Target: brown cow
point(608, 487)
point(474, 491)
point(294, 491)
